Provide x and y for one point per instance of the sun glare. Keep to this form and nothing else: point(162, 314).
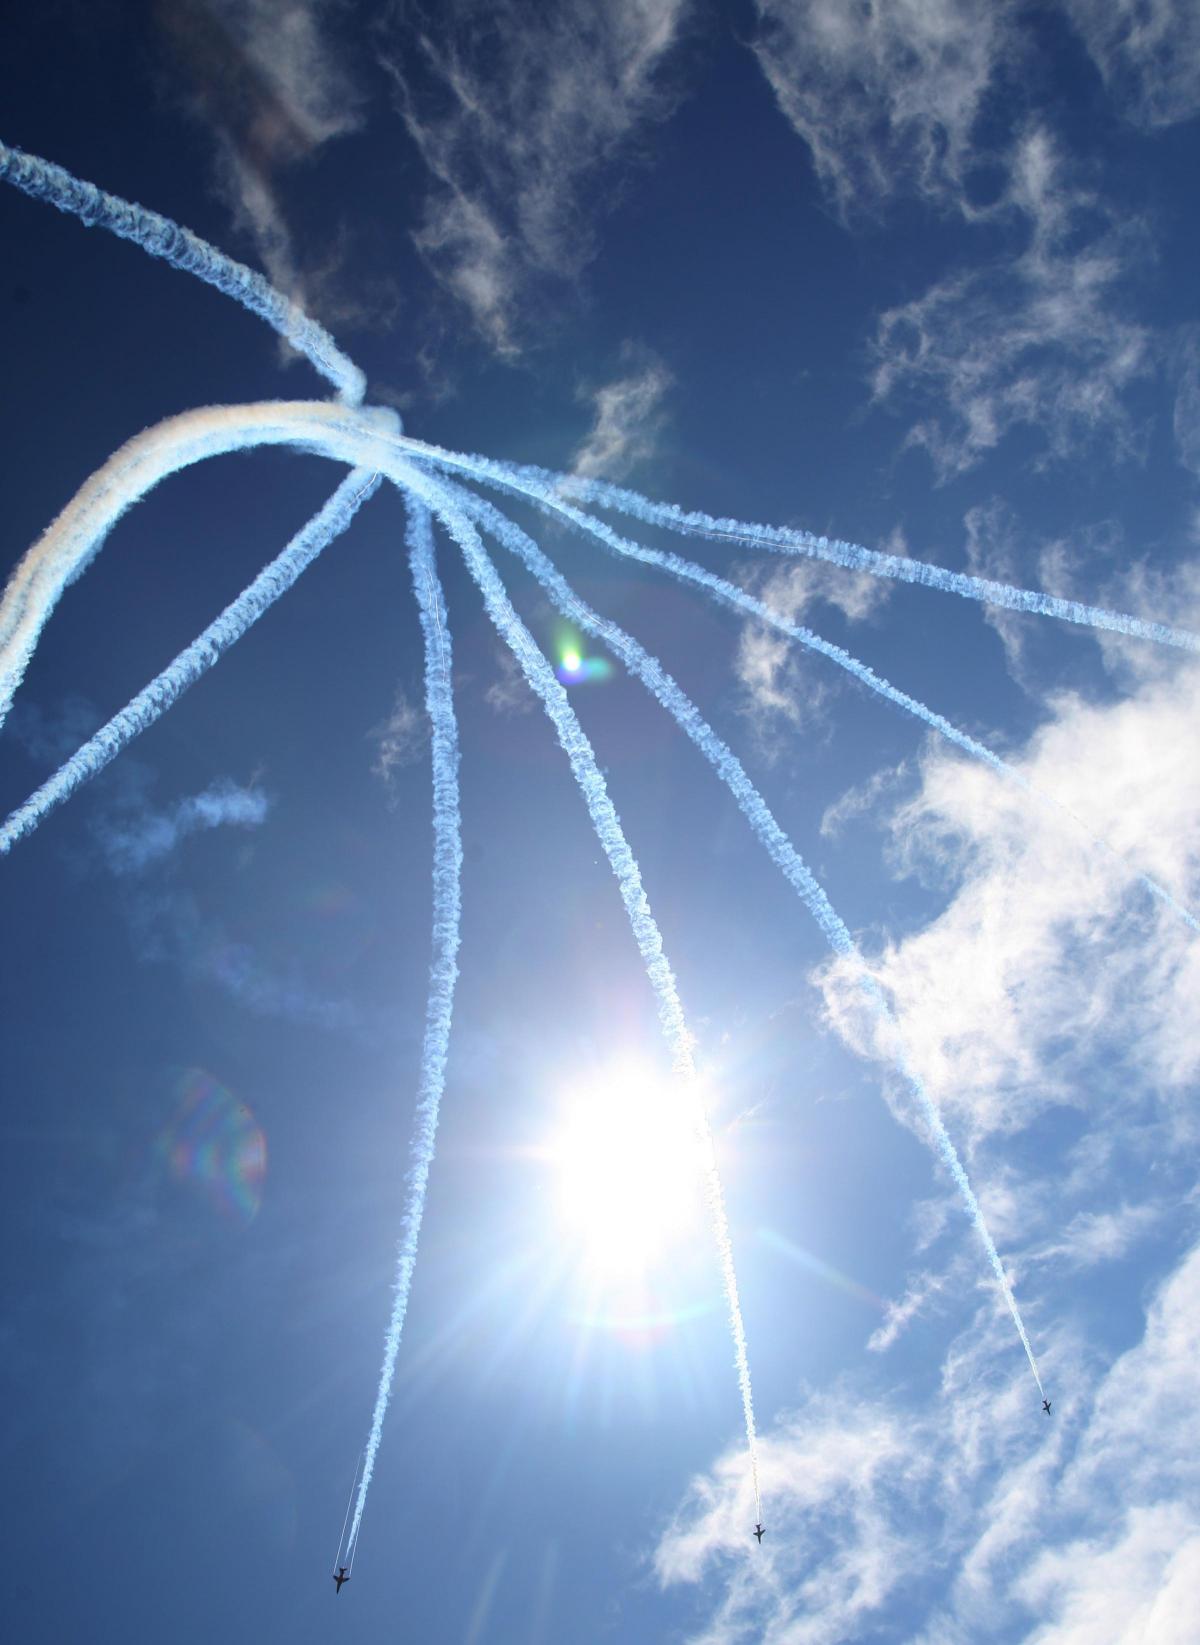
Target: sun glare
point(629, 1171)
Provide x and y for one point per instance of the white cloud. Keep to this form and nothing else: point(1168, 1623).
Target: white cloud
point(1094, 1237)
point(1148, 52)
point(1050, 953)
point(1187, 400)
point(899, 1316)
point(400, 740)
point(627, 422)
point(885, 94)
point(514, 110)
point(1081, 1531)
point(135, 836)
point(781, 684)
point(509, 693)
point(860, 801)
point(270, 86)
point(833, 1554)
point(1040, 340)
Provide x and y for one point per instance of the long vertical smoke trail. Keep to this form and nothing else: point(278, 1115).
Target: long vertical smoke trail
point(443, 973)
point(187, 251)
point(540, 676)
point(728, 593)
point(196, 659)
point(757, 813)
point(545, 485)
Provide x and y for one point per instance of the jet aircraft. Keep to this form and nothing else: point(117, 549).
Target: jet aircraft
point(758, 1531)
point(1046, 1406)
point(342, 1576)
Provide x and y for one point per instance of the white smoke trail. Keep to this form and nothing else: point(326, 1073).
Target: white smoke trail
point(542, 484)
point(447, 908)
point(777, 844)
point(542, 681)
point(184, 250)
point(337, 1558)
point(721, 589)
point(196, 659)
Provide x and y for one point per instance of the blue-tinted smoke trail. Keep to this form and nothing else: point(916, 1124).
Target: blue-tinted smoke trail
point(443, 973)
point(184, 250)
point(196, 659)
point(543, 484)
point(757, 813)
point(721, 589)
point(545, 685)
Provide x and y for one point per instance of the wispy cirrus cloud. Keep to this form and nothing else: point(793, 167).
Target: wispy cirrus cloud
point(1148, 52)
point(628, 419)
point(270, 85)
point(133, 838)
point(1069, 1534)
point(399, 741)
point(782, 686)
point(885, 96)
point(1042, 340)
point(515, 112)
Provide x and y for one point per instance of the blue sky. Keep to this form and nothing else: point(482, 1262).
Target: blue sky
point(917, 275)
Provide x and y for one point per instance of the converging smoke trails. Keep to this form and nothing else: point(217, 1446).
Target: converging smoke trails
point(364, 438)
point(447, 909)
point(360, 437)
point(543, 483)
point(196, 659)
point(187, 251)
point(757, 813)
point(370, 440)
point(687, 571)
point(578, 749)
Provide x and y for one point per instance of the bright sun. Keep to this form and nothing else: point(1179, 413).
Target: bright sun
point(629, 1170)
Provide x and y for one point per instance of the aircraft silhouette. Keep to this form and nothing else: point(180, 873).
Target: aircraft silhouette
point(1046, 1406)
point(341, 1577)
point(758, 1531)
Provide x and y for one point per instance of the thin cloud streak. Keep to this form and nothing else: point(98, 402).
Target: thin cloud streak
point(515, 114)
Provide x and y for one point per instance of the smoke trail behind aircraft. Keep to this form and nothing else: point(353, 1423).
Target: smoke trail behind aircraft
point(770, 835)
point(43, 180)
point(447, 909)
point(542, 680)
point(196, 659)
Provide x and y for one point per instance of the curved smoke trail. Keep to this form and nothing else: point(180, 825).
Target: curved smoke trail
point(770, 835)
point(75, 536)
point(196, 659)
point(443, 973)
point(541, 679)
point(158, 235)
point(542, 484)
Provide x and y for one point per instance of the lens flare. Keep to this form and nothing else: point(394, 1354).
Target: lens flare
point(214, 1143)
point(573, 667)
